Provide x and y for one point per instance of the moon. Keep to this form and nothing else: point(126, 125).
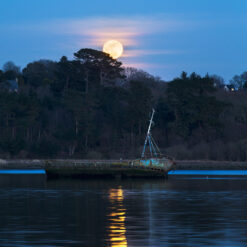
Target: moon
point(114, 48)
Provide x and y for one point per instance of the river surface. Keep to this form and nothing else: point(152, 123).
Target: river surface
point(181, 211)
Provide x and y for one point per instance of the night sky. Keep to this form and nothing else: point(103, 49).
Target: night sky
point(162, 37)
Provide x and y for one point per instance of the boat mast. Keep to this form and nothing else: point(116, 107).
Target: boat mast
point(149, 140)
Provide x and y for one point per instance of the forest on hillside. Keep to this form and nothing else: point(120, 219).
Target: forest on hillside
point(93, 107)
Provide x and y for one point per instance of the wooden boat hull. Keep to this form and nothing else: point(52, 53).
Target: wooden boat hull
point(109, 169)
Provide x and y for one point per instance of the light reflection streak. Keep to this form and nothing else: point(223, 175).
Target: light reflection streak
point(117, 216)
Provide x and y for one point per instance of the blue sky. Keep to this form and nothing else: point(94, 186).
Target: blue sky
point(162, 37)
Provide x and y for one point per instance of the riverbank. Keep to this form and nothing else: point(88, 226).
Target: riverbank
point(209, 165)
point(179, 164)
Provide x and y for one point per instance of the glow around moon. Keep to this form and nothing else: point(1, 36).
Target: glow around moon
point(114, 48)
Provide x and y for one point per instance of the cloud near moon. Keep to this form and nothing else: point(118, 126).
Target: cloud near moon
point(130, 31)
point(136, 33)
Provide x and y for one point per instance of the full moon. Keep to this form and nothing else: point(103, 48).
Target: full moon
point(114, 48)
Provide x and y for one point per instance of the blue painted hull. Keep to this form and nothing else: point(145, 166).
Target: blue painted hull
point(163, 163)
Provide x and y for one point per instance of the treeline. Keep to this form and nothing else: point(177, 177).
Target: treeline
point(92, 107)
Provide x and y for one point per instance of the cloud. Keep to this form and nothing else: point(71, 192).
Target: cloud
point(134, 32)
point(94, 31)
point(148, 52)
point(146, 65)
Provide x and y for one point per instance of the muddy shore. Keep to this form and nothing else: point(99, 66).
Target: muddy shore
point(209, 165)
point(179, 164)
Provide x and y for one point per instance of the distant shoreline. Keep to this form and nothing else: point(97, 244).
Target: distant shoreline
point(210, 165)
point(179, 164)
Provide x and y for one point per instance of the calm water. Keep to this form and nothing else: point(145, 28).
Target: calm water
point(181, 211)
